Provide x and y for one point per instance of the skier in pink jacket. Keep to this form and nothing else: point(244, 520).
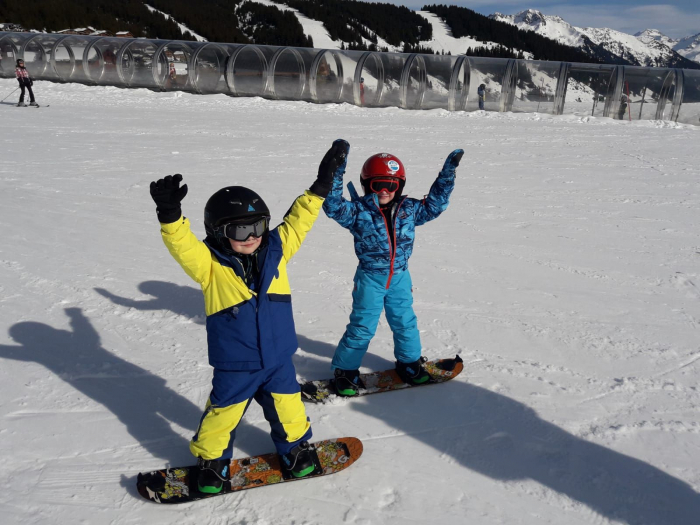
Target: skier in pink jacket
point(25, 82)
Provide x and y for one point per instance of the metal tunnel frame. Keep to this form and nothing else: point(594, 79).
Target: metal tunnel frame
point(405, 80)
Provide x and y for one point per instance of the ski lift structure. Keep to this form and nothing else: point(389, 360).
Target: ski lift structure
point(364, 78)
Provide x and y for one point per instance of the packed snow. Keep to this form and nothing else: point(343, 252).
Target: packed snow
point(564, 273)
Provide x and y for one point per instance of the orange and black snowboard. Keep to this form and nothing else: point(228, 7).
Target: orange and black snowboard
point(179, 485)
point(385, 381)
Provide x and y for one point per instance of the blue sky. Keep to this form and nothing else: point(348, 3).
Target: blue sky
point(674, 18)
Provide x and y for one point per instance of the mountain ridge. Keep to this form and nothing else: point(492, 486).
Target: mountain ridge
point(646, 48)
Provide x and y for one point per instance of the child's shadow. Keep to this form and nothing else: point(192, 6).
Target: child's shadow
point(183, 300)
point(187, 301)
point(506, 440)
point(141, 400)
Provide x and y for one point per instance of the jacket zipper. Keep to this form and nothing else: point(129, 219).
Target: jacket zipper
point(391, 251)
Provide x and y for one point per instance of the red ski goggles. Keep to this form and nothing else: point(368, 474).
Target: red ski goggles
point(242, 232)
point(380, 184)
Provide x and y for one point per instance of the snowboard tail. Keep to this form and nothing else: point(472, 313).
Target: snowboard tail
point(179, 485)
point(440, 371)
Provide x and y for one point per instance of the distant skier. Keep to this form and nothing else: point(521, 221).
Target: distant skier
point(242, 269)
point(623, 107)
point(25, 82)
point(362, 92)
point(481, 93)
point(383, 224)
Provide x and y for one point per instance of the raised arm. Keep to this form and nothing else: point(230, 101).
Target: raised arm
point(304, 212)
point(336, 206)
point(439, 197)
point(191, 253)
point(298, 222)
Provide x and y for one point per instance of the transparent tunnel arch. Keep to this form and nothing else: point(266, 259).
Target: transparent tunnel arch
point(247, 71)
point(363, 78)
point(327, 77)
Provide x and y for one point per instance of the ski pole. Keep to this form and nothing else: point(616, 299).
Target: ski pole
point(3, 100)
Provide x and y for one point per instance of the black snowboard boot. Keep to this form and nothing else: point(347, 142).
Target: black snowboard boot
point(299, 461)
point(347, 382)
point(413, 373)
point(212, 474)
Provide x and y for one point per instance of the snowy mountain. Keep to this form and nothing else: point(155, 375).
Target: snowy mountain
point(689, 47)
point(649, 35)
point(650, 49)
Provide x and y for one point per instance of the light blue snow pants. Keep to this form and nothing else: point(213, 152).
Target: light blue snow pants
point(369, 297)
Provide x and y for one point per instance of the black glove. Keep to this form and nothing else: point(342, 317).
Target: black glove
point(31, 82)
point(333, 161)
point(167, 194)
point(449, 169)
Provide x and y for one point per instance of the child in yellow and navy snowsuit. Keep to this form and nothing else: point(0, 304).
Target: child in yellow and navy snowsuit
point(242, 269)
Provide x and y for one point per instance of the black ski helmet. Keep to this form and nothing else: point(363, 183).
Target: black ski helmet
point(230, 204)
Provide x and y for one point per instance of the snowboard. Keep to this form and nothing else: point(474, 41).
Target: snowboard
point(179, 485)
point(385, 381)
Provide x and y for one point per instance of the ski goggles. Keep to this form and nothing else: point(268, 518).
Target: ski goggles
point(242, 232)
point(389, 184)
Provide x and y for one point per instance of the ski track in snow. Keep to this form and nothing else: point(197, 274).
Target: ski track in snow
point(565, 274)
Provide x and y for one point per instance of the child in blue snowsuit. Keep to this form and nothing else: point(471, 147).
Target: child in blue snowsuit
point(242, 269)
point(383, 224)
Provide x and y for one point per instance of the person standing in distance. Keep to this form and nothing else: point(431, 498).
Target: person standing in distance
point(25, 82)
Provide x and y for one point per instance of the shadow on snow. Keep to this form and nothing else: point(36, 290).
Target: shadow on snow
point(141, 400)
point(492, 434)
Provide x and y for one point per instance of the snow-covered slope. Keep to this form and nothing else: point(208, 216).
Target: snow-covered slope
point(645, 52)
point(443, 41)
point(182, 27)
point(313, 28)
point(564, 272)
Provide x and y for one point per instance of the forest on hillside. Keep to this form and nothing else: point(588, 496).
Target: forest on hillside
point(232, 21)
point(350, 20)
point(109, 15)
point(215, 20)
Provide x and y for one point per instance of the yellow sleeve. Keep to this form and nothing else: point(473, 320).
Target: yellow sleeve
point(191, 253)
point(298, 221)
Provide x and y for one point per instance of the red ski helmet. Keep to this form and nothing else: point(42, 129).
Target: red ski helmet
point(383, 165)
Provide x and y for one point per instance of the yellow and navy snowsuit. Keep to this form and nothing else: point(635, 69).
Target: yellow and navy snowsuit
point(250, 333)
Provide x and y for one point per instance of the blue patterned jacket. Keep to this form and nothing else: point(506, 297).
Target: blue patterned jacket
point(364, 219)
